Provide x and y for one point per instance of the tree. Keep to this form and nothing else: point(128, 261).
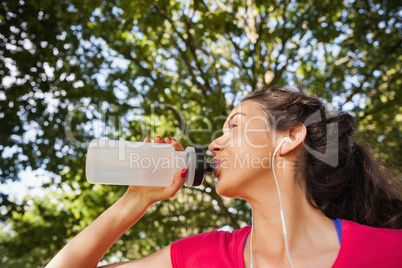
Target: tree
point(75, 70)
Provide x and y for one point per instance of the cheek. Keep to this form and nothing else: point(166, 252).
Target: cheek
point(257, 141)
point(243, 167)
point(246, 159)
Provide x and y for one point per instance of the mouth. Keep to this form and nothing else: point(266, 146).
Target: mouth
point(217, 162)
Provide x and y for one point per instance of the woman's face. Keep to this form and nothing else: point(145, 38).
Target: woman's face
point(244, 151)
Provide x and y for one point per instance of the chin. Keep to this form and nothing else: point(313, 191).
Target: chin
point(224, 193)
point(226, 189)
point(235, 184)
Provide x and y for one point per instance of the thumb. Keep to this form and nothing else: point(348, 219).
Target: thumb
point(178, 181)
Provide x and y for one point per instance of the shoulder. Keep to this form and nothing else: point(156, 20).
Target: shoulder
point(206, 249)
point(369, 246)
point(375, 235)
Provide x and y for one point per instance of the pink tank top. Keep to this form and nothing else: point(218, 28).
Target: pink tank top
point(361, 246)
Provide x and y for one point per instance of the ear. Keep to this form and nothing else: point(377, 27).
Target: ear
point(297, 135)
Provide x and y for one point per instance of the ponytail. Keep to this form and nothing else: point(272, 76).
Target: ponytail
point(359, 188)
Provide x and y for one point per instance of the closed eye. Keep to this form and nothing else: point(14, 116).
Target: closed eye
point(231, 125)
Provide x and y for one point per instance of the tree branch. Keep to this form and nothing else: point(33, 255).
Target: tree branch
point(204, 89)
point(358, 89)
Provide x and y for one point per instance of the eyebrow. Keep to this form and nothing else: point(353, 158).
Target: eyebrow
point(230, 118)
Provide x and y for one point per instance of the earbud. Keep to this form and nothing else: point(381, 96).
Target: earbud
point(286, 139)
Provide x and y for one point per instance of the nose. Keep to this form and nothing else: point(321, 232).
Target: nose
point(214, 147)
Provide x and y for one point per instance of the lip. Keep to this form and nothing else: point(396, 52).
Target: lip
point(217, 162)
point(216, 171)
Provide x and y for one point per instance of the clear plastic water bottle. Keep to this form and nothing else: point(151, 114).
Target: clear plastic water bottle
point(142, 163)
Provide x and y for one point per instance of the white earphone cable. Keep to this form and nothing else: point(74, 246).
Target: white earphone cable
point(281, 211)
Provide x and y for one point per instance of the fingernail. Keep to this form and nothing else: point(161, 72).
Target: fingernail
point(184, 172)
point(174, 140)
point(169, 138)
point(146, 137)
point(159, 137)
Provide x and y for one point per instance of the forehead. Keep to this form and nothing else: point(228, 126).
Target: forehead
point(250, 108)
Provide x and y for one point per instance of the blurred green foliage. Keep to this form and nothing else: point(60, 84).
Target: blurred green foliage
point(137, 68)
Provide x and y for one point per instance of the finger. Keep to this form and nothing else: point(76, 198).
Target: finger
point(178, 181)
point(147, 139)
point(177, 146)
point(168, 140)
point(158, 139)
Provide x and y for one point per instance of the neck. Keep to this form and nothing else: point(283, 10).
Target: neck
point(304, 224)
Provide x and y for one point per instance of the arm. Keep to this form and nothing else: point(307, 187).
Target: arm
point(89, 246)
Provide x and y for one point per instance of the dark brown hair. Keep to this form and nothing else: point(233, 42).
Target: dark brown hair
point(358, 188)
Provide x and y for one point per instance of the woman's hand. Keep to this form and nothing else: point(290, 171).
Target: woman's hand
point(150, 194)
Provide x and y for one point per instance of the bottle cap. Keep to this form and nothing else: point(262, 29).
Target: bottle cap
point(201, 167)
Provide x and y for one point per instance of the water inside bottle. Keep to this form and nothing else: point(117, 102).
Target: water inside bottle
point(133, 163)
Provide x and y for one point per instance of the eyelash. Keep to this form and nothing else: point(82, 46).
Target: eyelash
point(231, 125)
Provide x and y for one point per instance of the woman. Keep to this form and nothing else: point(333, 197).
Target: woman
point(320, 177)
